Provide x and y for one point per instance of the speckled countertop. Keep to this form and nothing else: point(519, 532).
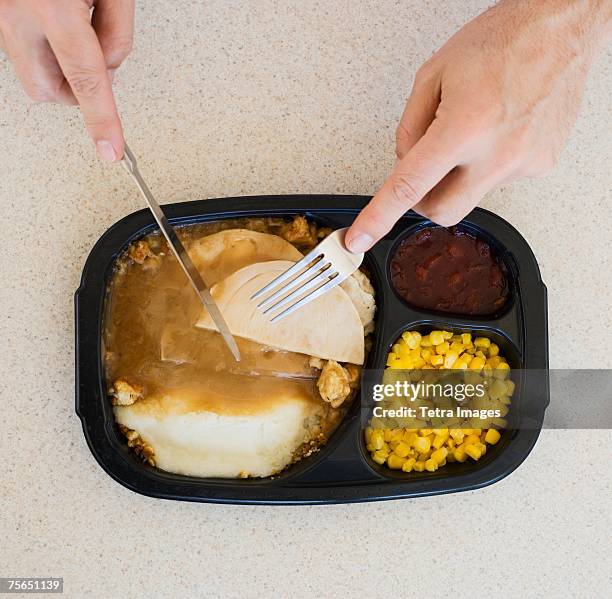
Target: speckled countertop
point(227, 98)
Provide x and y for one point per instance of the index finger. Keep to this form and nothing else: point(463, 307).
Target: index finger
point(427, 163)
point(77, 49)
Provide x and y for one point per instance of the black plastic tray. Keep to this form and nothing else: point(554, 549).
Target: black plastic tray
point(342, 471)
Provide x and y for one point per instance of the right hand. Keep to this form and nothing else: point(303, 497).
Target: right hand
point(63, 52)
point(496, 102)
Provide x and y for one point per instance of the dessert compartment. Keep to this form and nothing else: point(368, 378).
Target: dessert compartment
point(339, 472)
point(499, 254)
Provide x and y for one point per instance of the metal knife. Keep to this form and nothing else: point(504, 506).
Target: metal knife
point(195, 278)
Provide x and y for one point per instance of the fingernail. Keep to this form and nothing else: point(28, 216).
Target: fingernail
point(106, 150)
point(360, 243)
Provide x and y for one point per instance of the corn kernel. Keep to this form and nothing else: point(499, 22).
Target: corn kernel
point(473, 451)
point(415, 340)
point(397, 434)
point(377, 440)
point(502, 371)
point(510, 386)
point(399, 349)
point(395, 462)
point(410, 438)
point(459, 454)
point(402, 449)
point(493, 350)
point(476, 363)
point(457, 347)
point(450, 358)
point(431, 465)
point(418, 466)
point(379, 457)
point(482, 342)
point(472, 438)
point(442, 348)
point(440, 439)
point(408, 465)
point(494, 361)
point(391, 359)
point(492, 436)
point(466, 338)
point(426, 341)
point(497, 389)
point(419, 363)
point(447, 335)
point(457, 434)
point(439, 455)
point(422, 444)
point(437, 360)
point(436, 337)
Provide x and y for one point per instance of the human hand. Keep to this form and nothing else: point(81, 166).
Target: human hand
point(63, 52)
point(495, 103)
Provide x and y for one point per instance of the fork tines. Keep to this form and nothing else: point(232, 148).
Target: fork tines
point(317, 272)
point(313, 272)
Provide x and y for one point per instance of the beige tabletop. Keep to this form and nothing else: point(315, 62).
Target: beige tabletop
point(224, 98)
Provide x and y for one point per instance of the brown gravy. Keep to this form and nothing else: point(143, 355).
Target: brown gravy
point(150, 338)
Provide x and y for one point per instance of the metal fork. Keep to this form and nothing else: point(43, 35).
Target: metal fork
point(326, 266)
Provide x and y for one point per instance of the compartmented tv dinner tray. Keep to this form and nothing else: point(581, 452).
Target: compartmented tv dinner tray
point(342, 471)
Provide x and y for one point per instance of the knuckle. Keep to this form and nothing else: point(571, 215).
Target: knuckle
point(117, 50)
point(425, 72)
point(405, 190)
point(401, 133)
point(39, 93)
point(473, 130)
point(446, 219)
point(403, 140)
point(520, 140)
point(440, 216)
point(442, 213)
point(85, 83)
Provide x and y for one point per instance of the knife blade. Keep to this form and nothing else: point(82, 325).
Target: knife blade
point(195, 278)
